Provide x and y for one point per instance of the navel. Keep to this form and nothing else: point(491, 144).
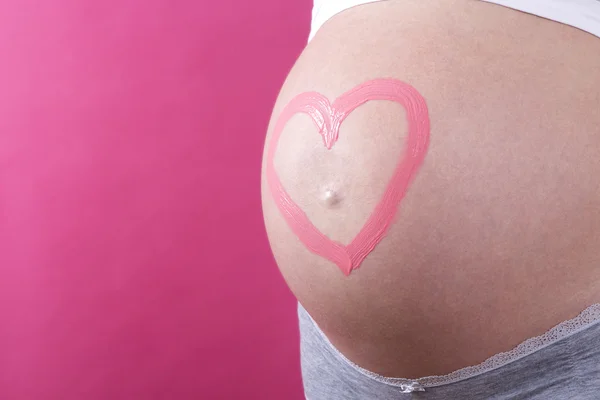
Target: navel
point(331, 198)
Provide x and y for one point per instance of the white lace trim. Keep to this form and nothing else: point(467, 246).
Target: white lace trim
point(590, 316)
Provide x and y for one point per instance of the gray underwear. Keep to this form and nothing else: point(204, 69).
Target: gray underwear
point(563, 364)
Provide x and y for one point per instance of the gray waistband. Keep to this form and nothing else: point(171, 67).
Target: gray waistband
point(322, 363)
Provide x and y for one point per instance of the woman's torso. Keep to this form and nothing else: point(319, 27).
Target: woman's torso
point(498, 236)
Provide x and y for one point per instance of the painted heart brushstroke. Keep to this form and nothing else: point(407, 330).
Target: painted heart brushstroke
point(328, 118)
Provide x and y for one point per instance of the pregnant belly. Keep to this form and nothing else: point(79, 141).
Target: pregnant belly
point(496, 233)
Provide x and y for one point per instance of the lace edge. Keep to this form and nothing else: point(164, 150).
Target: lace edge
point(588, 317)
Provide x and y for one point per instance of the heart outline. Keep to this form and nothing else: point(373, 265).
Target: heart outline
point(328, 117)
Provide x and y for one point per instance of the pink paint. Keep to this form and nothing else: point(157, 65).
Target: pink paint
point(328, 118)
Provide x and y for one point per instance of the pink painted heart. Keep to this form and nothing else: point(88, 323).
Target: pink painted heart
point(329, 117)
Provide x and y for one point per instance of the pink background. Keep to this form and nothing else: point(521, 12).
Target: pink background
point(133, 258)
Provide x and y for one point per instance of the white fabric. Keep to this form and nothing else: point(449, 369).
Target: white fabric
point(582, 14)
point(325, 9)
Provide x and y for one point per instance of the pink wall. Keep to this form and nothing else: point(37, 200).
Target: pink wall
point(133, 259)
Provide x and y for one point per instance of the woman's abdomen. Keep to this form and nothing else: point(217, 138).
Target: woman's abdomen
point(497, 237)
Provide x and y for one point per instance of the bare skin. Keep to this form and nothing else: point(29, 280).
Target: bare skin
point(498, 237)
